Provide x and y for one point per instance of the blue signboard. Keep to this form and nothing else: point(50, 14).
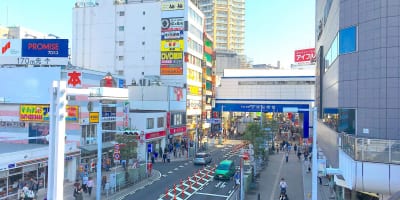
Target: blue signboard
point(121, 83)
point(44, 48)
point(149, 147)
point(303, 108)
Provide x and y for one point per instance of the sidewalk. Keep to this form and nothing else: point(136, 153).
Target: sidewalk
point(299, 181)
point(69, 188)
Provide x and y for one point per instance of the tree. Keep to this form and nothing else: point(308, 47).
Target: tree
point(129, 146)
point(255, 135)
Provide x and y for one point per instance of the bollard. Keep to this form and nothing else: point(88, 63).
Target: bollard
point(183, 193)
point(174, 191)
point(166, 193)
point(258, 196)
point(190, 186)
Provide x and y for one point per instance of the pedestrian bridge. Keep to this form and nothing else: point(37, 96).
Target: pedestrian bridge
point(261, 90)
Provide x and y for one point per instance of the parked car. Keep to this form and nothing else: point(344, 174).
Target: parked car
point(202, 159)
point(225, 170)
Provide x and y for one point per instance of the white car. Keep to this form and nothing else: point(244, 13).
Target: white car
point(202, 159)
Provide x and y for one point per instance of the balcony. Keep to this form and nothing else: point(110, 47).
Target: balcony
point(370, 150)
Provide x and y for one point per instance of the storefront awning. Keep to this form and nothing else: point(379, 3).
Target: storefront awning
point(93, 147)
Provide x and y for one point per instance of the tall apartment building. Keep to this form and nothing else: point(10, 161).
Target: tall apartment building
point(225, 23)
point(357, 93)
point(144, 38)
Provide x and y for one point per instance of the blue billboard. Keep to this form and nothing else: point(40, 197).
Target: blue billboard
point(44, 48)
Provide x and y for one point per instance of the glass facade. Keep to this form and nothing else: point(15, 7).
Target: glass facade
point(348, 40)
point(344, 42)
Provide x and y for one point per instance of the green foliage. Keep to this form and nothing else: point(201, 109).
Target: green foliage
point(255, 135)
point(129, 147)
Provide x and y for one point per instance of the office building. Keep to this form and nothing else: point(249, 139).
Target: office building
point(357, 93)
point(225, 23)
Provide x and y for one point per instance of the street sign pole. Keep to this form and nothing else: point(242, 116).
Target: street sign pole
point(99, 152)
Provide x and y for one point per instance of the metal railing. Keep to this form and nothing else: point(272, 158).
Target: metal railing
point(370, 150)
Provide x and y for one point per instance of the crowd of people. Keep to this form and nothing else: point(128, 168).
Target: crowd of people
point(85, 187)
point(27, 190)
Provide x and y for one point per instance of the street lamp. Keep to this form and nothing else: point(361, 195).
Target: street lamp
point(30, 35)
point(52, 35)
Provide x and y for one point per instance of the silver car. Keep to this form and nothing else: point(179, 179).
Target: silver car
point(202, 159)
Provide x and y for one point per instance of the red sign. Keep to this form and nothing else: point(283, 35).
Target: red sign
point(74, 78)
point(304, 55)
point(117, 156)
point(177, 130)
point(168, 119)
point(155, 135)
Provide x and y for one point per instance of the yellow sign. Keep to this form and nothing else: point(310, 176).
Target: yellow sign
point(172, 45)
point(171, 55)
point(40, 112)
point(94, 117)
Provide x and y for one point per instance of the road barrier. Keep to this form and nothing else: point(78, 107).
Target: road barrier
point(186, 189)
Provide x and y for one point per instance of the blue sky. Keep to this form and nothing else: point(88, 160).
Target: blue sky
point(274, 28)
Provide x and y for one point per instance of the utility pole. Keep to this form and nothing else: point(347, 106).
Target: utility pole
point(314, 157)
point(99, 151)
point(57, 140)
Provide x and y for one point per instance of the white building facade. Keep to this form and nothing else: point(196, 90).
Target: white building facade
point(142, 39)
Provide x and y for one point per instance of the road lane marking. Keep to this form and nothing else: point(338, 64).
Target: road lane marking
point(277, 179)
point(214, 195)
point(170, 172)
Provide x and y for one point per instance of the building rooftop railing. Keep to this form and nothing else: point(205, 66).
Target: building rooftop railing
point(370, 150)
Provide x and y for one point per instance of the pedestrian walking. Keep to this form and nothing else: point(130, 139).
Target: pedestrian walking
point(237, 179)
point(78, 193)
point(85, 179)
point(164, 156)
point(169, 157)
point(287, 156)
point(103, 182)
point(306, 165)
point(89, 185)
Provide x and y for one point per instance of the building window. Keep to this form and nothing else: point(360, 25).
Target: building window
point(347, 120)
point(348, 40)
point(121, 28)
point(160, 122)
point(143, 28)
point(143, 42)
point(122, 13)
point(144, 12)
point(121, 43)
point(120, 58)
point(149, 123)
